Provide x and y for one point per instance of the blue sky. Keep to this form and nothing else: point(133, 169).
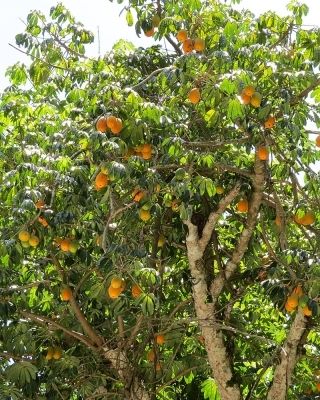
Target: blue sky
point(105, 15)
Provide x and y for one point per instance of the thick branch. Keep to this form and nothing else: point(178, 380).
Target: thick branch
point(283, 371)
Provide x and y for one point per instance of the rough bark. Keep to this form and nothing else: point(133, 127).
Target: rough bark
point(284, 370)
point(205, 310)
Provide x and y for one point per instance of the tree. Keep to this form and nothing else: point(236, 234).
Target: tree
point(160, 209)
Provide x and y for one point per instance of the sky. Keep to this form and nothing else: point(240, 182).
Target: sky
point(104, 16)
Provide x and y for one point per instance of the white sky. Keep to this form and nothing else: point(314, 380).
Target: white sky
point(105, 15)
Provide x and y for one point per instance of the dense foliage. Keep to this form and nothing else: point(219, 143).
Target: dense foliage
point(159, 242)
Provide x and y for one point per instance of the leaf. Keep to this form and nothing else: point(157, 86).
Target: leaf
point(147, 303)
point(235, 110)
point(210, 390)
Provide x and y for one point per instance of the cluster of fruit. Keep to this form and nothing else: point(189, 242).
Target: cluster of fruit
point(188, 45)
point(111, 122)
point(54, 353)
point(67, 245)
point(118, 285)
point(298, 298)
point(28, 239)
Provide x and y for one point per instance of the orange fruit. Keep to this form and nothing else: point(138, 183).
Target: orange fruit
point(306, 311)
point(24, 236)
point(144, 215)
point(111, 121)
point(199, 44)
point(263, 153)
point(256, 100)
point(248, 90)
point(117, 126)
point(182, 35)
point(270, 122)
point(288, 307)
point(318, 141)
point(136, 291)
point(243, 206)
point(43, 221)
point(160, 339)
point(101, 181)
point(187, 46)
point(66, 294)
point(65, 245)
point(151, 356)
point(194, 95)
point(40, 203)
point(245, 99)
point(57, 353)
point(149, 32)
point(293, 300)
point(114, 293)
point(137, 195)
point(145, 148)
point(146, 155)
point(116, 282)
point(34, 241)
point(308, 219)
point(101, 124)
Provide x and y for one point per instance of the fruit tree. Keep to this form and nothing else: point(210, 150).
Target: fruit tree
point(159, 208)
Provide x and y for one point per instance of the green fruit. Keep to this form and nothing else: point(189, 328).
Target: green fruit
point(156, 20)
point(73, 247)
point(303, 301)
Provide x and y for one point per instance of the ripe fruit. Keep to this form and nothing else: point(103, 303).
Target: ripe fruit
point(256, 100)
point(318, 141)
point(298, 291)
point(194, 95)
point(182, 35)
point(116, 282)
point(156, 20)
point(114, 293)
point(101, 125)
point(144, 215)
point(306, 311)
point(24, 236)
point(149, 32)
point(199, 44)
point(161, 240)
point(57, 353)
point(219, 190)
point(49, 354)
point(114, 123)
point(293, 301)
point(248, 90)
point(66, 294)
point(101, 181)
point(307, 219)
point(151, 356)
point(263, 153)
point(270, 122)
point(65, 245)
point(34, 241)
point(43, 221)
point(137, 195)
point(288, 307)
point(243, 206)
point(245, 99)
point(40, 204)
point(136, 291)
point(160, 339)
point(187, 46)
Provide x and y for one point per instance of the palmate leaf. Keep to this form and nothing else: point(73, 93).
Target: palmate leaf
point(22, 372)
point(210, 390)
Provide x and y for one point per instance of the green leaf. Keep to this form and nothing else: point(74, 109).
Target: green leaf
point(210, 390)
point(235, 110)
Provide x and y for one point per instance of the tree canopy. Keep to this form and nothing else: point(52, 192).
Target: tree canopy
point(159, 208)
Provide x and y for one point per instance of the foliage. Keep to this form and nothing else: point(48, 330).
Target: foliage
point(51, 151)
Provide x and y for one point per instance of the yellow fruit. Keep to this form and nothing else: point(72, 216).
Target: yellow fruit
point(293, 301)
point(116, 282)
point(156, 20)
point(182, 35)
point(219, 190)
point(161, 240)
point(49, 354)
point(24, 236)
point(194, 95)
point(34, 241)
point(66, 294)
point(144, 215)
point(187, 46)
point(199, 44)
point(57, 353)
point(114, 293)
point(256, 100)
point(248, 90)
